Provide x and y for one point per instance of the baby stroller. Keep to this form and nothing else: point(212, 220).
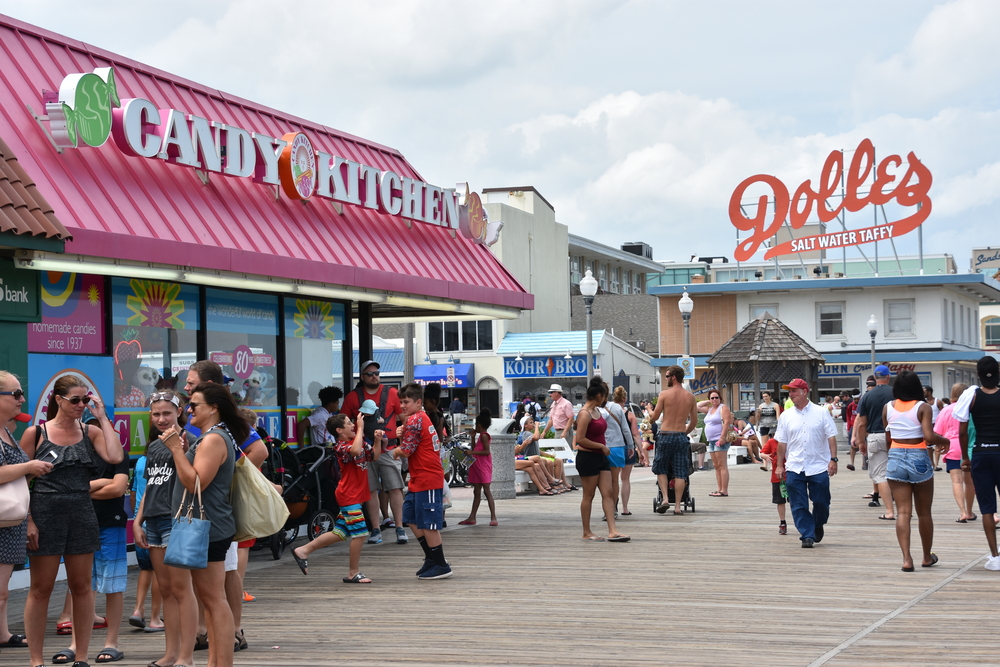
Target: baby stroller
point(686, 498)
point(308, 478)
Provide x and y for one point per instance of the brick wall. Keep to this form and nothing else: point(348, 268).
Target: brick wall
point(713, 323)
point(632, 316)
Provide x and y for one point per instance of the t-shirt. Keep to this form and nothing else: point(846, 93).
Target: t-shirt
point(393, 409)
point(111, 512)
point(768, 414)
point(421, 441)
point(532, 448)
point(317, 426)
point(849, 413)
point(771, 449)
point(160, 474)
point(137, 484)
point(352, 489)
point(871, 407)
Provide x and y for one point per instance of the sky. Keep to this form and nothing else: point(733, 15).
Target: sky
point(635, 119)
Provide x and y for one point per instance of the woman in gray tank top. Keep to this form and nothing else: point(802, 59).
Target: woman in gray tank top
point(211, 459)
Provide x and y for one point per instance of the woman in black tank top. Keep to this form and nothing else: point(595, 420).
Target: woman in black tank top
point(62, 523)
point(984, 412)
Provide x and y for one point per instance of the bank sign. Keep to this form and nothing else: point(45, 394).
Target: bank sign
point(911, 190)
point(546, 367)
point(87, 111)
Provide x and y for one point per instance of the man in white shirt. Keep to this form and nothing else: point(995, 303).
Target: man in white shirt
point(807, 458)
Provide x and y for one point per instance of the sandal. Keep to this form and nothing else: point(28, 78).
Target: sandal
point(15, 641)
point(64, 657)
point(65, 628)
point(201, 641)
point(719, 494)
point(303, 564)
point(114, 655)
point(359, 578)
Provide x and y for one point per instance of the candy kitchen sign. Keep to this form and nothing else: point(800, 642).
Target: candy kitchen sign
point(87, 111)
point(910, 191)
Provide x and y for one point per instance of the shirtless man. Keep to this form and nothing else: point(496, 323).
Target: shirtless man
point(672, 459)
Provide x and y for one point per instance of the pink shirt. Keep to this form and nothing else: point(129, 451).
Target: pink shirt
point(561, 414)
point(947, 426)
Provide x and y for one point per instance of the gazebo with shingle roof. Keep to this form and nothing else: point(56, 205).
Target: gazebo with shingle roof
point(766, 351)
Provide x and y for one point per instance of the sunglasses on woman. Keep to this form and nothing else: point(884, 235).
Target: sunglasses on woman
point(18, 394)
point(76, 400)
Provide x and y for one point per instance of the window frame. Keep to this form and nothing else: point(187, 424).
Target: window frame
point(771, 308)
point(819, 320)
point(886, 305)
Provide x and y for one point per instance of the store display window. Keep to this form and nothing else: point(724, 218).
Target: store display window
point(314, 331)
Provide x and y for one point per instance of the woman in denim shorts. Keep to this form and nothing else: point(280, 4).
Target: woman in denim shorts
point(151, 529)
point(909, 430)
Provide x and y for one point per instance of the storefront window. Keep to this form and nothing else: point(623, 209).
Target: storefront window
point(445, 336)
point(312, 330)
point(154, 337)
point(242, 335)
point(73, 307)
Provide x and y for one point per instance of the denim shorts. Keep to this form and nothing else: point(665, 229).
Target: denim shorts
point(158, 530)
point(719, 446)
point(909, 465)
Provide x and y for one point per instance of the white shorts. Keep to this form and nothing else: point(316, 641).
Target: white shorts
point(232, 559)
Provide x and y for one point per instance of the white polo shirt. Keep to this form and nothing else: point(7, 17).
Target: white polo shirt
point(806, 434)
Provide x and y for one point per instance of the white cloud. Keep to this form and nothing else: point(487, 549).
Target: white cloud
point(970, 190)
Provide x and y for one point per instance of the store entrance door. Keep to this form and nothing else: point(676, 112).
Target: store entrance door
point(489, 396)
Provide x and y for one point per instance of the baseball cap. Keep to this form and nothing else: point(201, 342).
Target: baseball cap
point(988, 370)
point(882, 371)
point(370, 362)
point(368, 407)
point(797, 383)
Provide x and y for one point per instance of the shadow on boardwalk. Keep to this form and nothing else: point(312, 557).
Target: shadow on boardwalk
point(718, 587)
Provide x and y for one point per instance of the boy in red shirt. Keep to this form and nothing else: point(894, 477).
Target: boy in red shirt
point(769, 452)
point(419, 443)
point(354, 456)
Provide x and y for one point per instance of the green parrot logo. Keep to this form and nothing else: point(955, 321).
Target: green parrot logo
point(83, 111)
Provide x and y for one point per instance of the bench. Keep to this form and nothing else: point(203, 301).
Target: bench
point(559, 449)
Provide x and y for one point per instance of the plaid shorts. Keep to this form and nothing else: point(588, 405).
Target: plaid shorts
point(673, 455)
point(111, 562)
point(350, 523)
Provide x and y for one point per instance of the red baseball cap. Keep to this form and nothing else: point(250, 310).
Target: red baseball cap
point(797, 383)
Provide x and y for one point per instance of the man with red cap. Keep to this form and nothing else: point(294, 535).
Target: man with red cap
point(807, 458)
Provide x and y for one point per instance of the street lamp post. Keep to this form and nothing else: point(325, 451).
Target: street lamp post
point(686, 305)
point(588, 288)
point(872, 330)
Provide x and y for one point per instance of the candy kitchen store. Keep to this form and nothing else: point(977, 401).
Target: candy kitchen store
point(147, 221)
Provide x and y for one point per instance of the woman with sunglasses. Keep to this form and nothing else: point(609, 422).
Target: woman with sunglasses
point(14, 464)
point(718, 421)
point(210, 461)
point(62, 522)
point(151, 529)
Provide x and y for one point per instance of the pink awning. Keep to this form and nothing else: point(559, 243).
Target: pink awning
point(133, 208)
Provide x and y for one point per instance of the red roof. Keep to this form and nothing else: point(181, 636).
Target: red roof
point(133, 208)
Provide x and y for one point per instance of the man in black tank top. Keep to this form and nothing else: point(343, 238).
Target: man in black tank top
point(982, 405)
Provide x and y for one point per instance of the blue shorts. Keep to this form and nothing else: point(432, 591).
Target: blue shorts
point(350, 523)
point(909, 465)
point(719, 446)
point(142, 558)
point(423, 509)
point(952, 464)
point(986, 479)
point(158, 531)
point(111, 562)
point(616, 456)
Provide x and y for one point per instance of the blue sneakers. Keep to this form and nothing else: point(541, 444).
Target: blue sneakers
point(401, 537)
point(375, 537)
point(428, 564)
point(436, 572)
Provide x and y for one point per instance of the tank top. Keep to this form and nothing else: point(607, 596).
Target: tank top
point(713, 424)
point(73, 466)
point(596, 429)
point(768, 414)
point(985, 413)
point(216, 495)
point(904, 424)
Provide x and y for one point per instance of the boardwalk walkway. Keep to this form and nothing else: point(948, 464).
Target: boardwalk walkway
point(717, 587)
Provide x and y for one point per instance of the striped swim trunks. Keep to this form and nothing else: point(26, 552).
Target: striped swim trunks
point(351, 523)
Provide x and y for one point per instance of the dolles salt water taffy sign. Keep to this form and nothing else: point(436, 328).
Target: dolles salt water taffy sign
point(910, 191)
point(87, 110)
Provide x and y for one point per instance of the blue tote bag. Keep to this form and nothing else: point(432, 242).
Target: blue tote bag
point(188, 545)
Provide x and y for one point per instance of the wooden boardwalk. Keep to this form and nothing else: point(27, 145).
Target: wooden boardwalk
point(717, 587)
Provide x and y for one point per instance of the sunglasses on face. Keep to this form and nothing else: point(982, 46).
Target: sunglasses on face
point(192, 405)
point(18, 394)
point(373, 373)
point(76, 400)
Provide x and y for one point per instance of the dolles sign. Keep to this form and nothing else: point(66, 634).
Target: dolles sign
point(87, 109)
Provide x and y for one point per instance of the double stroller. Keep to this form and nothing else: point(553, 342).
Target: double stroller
point(308, 478)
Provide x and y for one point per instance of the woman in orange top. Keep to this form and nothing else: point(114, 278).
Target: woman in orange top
point(909, 431)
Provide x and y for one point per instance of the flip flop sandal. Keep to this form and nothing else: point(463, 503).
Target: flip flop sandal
point(150, 628)
point(359, 578)
point(887, 518)
point(619, 538)
point(303, 563)
point(64, 628)
point(626, 514)
point(15, 641)
point(595, 538)
point(494, 523)
point(114, 655)
point(102, 624)
point(137, 621)
point(201, 642)
point(934, 561)
point(64, 657)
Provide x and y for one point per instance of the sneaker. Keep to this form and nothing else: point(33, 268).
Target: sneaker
point(428, 564)
point(807, 543)
point(992, 563)
point(874, 503)
point(388, 523)
point(401, 537)
point(436, 572)
point(783, 529)
point(375, 537)
point(247, 597)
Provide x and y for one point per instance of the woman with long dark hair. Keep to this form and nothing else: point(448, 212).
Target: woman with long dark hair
point(63, 523)
point(211, 461)
point(909, 431)
point(592, 462)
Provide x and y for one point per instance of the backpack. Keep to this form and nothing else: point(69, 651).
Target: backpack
point(378, 420)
